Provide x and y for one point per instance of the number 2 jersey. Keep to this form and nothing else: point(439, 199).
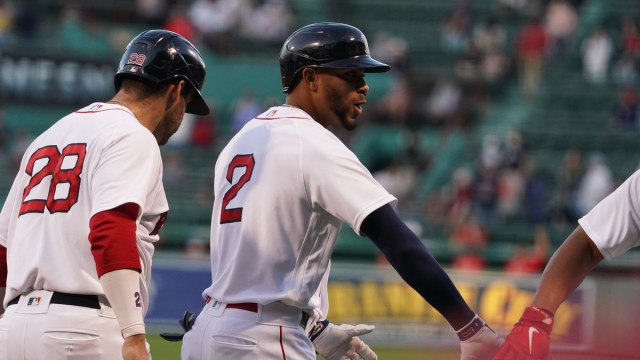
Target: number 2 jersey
point(92, 160)
point(283, 187)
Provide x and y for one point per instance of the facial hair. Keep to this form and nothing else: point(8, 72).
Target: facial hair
point(169, 124)
point(340, 109)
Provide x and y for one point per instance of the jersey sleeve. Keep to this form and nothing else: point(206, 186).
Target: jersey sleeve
point(9, 210)
point(129, 171)
point(614, 223)
point(339, 183)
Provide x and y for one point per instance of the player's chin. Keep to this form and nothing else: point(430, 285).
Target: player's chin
point(348, 122)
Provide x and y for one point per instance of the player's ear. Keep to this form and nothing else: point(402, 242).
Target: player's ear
point(310, 77)
point(175, 90)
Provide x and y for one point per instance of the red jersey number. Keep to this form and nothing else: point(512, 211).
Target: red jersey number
point(61, 172)
point(239, 161)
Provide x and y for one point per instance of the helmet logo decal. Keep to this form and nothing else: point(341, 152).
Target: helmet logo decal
point(136, 59)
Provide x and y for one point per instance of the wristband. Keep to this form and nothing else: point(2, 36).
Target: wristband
point(317, 329)
point(470, 329)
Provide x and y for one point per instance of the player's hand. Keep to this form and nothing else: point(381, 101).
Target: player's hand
point(529, 338)
point(341, 342)
point(478, 341)
point(135, 348)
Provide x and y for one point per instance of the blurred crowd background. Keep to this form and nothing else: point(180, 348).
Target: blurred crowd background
point(501, 122)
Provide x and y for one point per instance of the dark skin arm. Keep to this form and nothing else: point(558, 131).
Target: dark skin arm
point(568, 267)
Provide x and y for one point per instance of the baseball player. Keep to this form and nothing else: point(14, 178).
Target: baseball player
point(78, 227)
point(284, 185)
point(609, 230)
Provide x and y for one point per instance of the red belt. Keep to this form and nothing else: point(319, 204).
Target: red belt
point(253, 307)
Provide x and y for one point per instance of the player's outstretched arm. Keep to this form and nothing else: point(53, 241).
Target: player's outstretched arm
point(566, 270)
point(569, 265)
point(338, 342)
point(411, 259)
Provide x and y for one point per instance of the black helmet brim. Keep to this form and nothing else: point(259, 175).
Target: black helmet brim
point(365, 62)
point(197, 105)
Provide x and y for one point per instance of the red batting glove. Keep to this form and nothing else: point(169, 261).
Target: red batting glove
point(529, 338)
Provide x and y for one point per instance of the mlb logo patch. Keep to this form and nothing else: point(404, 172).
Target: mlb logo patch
point(33, 301)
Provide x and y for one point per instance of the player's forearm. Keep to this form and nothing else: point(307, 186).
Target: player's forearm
point(122, 288)
point(566, 270)
point(411, 259)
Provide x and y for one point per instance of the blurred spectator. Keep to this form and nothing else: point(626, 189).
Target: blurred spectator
point(511, 190)
point(567, 180)
point(469, 235)
point(460, 199)
point(399, 178)
point(443, 100)
point(246, 108)
point(468, 261)
point(217, 20)
point(490, 38)
point(205, 129)
point(630, 37)
point(597, 50)
point(468, 239)
point(514, 153)
point(391, 50)
point(469, 65)
point(174, 171)
point(454, 33)
point(395, 105)
point(597, 183)
point(624, 115)
point(624, 71)
point(532, 44)
point(561, 20)
point(178, 21)
point(485, 193)
point(530, 260)
point(152, 12)
point(537, 195)
point(491, 152)
point(269, 21)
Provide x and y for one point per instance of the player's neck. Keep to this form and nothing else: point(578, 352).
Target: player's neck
point(122, 103)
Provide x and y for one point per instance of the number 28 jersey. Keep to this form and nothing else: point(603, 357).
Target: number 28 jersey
point(92, 160)
point(283, 187)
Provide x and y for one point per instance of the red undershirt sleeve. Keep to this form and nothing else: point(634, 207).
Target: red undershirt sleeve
point(113, 239)
point(3, 266)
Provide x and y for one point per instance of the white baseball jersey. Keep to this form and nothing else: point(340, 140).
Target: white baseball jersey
point(614, 223)
point(92, 160)
point(283, 187)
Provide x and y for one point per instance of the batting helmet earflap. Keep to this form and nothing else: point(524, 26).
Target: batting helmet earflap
point(157, 56)
point(327, 45)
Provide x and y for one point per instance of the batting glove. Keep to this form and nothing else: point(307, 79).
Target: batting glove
point(529, 338)
point(478, 341)
point(187, 321)
point(341, 342)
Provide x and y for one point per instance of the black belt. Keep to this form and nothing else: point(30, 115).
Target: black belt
point(88, 301)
